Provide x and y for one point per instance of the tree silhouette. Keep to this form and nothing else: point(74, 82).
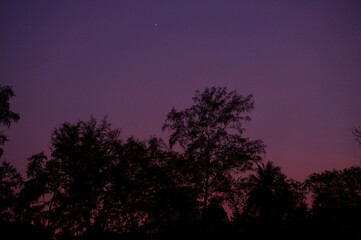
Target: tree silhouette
point(157, 196)
point(77, 173)
point(10, 180)
point(270, 199)
point(267, 185)
point(31, 200)
point(211, 134)
point(216, 221)
point(6, 116)
point(336, 205)
point(95, 184)
point(10, 184)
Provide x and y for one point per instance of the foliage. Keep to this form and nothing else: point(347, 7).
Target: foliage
point(31, 200)
point(95, 185)
point(6, 116)
point(211, 134)
point(82, 154)
point(336, 204)
point(10, 184)
point(273, 200)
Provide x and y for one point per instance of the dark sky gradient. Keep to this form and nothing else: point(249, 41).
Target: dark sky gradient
point(134, 60)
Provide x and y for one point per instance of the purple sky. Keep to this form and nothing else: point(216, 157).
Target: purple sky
point(134, 60)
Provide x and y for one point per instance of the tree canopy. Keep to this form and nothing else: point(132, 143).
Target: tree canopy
point(211, 134)
point(336, 202)
point(6, 115)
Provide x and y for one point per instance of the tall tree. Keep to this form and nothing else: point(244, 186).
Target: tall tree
point(10, 180)
point(6, 116)
point(211, 134)
point(82, 154)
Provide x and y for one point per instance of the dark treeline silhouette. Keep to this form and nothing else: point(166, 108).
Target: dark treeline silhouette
point(96, 185)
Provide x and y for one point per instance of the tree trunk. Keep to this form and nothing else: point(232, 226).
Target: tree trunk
point(205, 199)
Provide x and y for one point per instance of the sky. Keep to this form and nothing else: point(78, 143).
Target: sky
point(134, 60)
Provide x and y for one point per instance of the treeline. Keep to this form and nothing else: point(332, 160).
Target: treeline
point(209, 181)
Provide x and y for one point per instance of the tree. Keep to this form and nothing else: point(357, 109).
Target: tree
point(31, 201)
point(336, 203)
point(78, 170)
point(10, 180)
point(275, 204)
point(95, 183)
point(6, 116)
point(153, 198)
point(216, 221)
point(210, 133)
point(10, 184)
point(270, 196)
point(267, 186)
